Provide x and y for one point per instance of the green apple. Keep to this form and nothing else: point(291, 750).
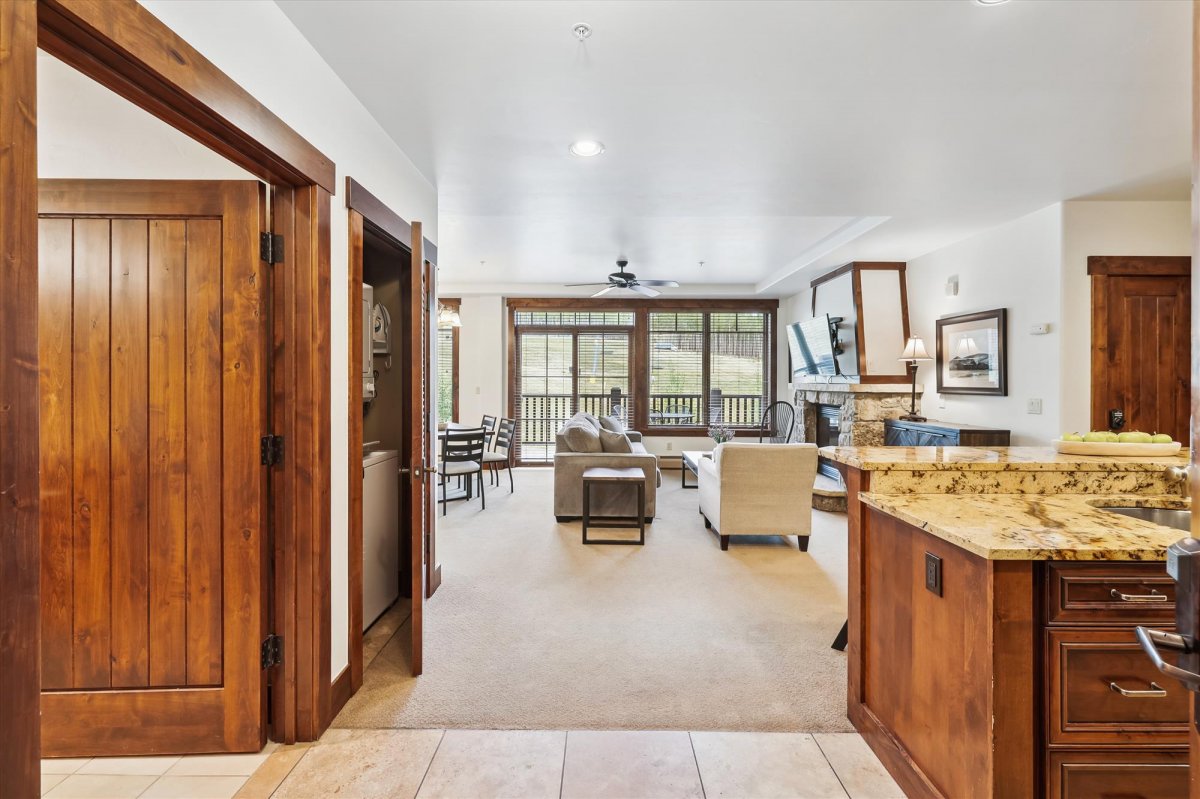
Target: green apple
point(1111, 438)
point(1161, 438)
point(1096, 436)
point(1071, 437)
point(1134, 437)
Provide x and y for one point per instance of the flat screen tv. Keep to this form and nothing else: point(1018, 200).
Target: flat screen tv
point(812, 344)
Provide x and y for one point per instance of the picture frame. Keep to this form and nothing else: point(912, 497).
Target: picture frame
point(971, 353)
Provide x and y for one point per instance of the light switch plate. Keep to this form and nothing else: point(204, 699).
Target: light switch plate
point(1034, 405)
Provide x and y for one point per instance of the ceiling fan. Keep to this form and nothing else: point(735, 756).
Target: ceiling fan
point(627, 280)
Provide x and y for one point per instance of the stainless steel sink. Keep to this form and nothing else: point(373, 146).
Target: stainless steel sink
point(1167, 517)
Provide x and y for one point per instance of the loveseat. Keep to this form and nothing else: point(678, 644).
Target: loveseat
point(585, 441)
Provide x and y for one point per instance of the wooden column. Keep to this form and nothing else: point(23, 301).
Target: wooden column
point(20, 635)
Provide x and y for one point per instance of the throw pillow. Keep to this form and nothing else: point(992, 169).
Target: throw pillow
point(581, 437)
point(611, 441)
point(612, 423)
point(592, 420)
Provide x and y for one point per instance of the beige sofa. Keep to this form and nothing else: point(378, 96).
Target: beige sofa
point(578, 447)
point(759, 489)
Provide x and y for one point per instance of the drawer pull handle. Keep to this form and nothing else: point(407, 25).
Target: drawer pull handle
point(1155, 691)
point(1153, 596)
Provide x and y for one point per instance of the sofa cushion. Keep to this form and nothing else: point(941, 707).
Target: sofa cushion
point(581, 437)
point(612, 423)
point(592, 420)
point(614, 442)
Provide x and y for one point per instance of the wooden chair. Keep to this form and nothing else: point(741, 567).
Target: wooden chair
point(497, 459)
point(462, 456)
point(777, 423)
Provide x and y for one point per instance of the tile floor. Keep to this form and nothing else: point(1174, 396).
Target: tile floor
point(523, 764)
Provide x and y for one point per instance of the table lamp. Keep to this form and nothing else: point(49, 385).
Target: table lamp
point(914, 352)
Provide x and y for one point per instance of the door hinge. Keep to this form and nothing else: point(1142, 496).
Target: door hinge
point(270, 247)
point(270, 450)
point(272, 651)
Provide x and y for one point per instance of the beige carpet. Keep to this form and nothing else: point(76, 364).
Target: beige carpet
point(533, 630)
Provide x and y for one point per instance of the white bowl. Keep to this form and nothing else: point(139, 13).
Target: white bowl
point(1116, 449)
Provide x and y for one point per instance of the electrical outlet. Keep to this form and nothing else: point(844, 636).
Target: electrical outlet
point(941, 400)
point(933, 573)
point(477, 390)
point(670, 446)
point(1033, 405)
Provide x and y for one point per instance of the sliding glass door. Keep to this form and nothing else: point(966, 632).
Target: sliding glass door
point(561, 373)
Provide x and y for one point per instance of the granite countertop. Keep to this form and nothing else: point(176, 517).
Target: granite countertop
point(1036, 526)
point(1011, 459)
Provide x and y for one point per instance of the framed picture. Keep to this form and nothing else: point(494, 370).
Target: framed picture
point(971, 353)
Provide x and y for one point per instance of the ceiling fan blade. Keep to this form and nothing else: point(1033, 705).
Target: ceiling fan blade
point(602, 292)
point(645, 292)
point(672, 284)
point(576, 285)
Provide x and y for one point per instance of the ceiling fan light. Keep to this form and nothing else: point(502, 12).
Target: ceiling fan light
point(587, 148)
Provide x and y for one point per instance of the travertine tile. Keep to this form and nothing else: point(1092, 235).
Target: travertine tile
point(863, 776)
point(155, 766)
point(222, 765)
point(266, 779)
point(64, 765)
point(101, 786)
point(194, 787)
point(50, 780)
point(362, 764)
point(631, 765)
point(764, 765)
point(521, 764)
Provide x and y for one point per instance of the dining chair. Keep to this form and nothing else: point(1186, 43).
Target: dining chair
point(462, 456)
point(501, 456)
point(777, 423)
point(489, 428)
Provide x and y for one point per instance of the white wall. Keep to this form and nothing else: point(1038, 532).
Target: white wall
point(1106, 228)
point(256, 44)
point(1015, 266)
point(482, 358)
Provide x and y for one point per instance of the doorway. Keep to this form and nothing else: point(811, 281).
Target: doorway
point(1141, 344)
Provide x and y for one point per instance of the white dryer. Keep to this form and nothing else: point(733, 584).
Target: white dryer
point(381, 533)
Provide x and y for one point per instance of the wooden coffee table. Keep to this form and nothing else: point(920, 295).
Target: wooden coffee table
point(630, 476)
point(691, 463)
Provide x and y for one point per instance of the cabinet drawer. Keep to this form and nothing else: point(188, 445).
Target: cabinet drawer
point(1110, 593)
point(1118, 775)
point(1083, 705)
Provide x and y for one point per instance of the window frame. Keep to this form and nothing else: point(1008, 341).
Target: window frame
point(640, 348)
point(454, 304)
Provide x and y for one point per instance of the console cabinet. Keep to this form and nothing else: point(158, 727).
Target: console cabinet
point(899, 433)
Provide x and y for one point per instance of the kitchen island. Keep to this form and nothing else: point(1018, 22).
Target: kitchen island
point(992, 603)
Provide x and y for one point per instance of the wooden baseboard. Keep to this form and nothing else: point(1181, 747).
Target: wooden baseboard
point(670, 463)
point(907, 774)
point(339, 694)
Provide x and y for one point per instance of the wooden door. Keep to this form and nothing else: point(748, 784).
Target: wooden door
point(415, 473)
point(152, 349)
point(1141, 343)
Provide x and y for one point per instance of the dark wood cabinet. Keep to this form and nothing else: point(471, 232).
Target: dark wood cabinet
point(899, 433)
point(1127, 775)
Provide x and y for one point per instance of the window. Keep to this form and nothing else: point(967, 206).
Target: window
point(447, 366)
point(667, 370)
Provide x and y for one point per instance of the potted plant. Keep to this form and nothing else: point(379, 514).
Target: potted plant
point(721, 433)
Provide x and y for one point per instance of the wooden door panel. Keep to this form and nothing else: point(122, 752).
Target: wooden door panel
point(418, 443)
point(153, 370)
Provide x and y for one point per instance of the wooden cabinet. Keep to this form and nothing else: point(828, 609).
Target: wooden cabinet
point(899, 433)
point(1114, 726)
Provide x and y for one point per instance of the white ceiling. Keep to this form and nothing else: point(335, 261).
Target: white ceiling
point(768, 139)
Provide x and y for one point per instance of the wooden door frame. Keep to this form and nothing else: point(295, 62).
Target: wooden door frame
point(365, 209)
point(124, 47)
point(1101, 268)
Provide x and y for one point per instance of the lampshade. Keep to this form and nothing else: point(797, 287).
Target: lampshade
point(448, 317)
point(914, 350)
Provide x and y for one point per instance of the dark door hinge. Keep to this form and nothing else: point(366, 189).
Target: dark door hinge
point(270, 247)
point(272, 651)
point(270, 450)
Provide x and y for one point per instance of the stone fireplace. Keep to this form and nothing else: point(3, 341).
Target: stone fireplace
point(846, 415)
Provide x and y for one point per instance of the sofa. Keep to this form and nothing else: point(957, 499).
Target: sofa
point(586, 441)
point(758, 489)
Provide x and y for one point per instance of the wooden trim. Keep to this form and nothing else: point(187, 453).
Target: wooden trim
point(354, 463)
point(388, 221)
point(126, 48)
point(831, 275)
point(340, 692)
point(902, 274)
point(20, 543)
point(1099, 339)
point(1140, 265)
point(416, 450)
point(860, 337)
point(657, 304)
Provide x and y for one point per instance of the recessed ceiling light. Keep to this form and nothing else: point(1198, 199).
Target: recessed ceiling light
point(587, 149)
